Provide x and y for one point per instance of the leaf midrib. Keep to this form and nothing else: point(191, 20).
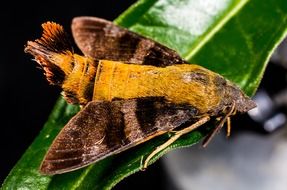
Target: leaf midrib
point(203, 39)
point(210, 33)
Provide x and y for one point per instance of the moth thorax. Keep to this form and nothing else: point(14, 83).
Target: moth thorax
point(78, 84)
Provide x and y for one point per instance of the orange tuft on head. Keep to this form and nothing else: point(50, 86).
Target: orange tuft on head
point(51, 29)
point(54, 38)
point(53, 51)
point(62, 67)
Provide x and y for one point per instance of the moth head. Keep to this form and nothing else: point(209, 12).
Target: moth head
point(243, 103)
point(233, 95)
point(53, 52)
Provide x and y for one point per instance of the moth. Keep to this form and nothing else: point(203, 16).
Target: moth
point(131, 90)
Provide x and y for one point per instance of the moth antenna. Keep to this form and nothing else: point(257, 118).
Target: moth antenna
point(52, 51)
point(207, 139)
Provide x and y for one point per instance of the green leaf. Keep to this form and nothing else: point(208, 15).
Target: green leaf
point(232, 37)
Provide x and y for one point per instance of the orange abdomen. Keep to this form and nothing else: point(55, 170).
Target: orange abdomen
point(180, 84)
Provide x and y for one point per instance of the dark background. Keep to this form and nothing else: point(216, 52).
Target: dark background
point(26, 99)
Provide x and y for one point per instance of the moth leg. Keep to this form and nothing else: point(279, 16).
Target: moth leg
point(176, 135)
point(228, 131)
point(219, 126)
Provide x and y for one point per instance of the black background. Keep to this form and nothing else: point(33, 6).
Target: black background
point(26, 99)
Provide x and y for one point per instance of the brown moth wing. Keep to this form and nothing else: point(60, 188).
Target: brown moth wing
point(102, 39)
point(105, 128)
